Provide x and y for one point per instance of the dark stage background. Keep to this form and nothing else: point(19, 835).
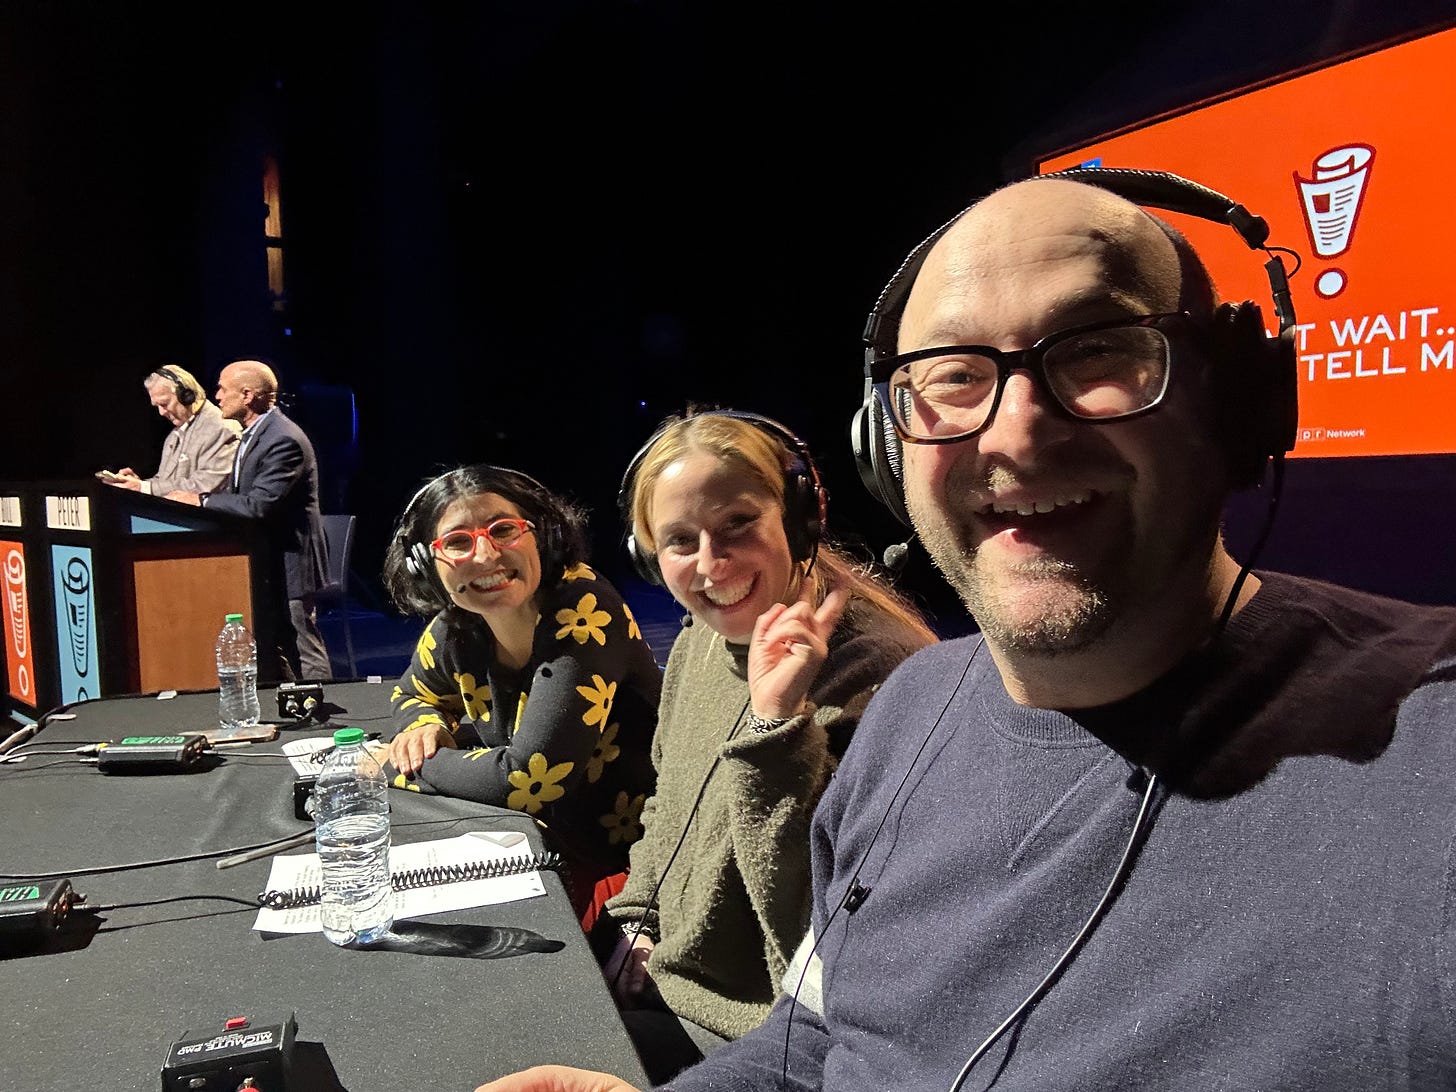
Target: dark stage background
point(525, 232)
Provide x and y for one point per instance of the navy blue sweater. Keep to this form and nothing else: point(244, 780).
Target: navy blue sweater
point(1288, 923)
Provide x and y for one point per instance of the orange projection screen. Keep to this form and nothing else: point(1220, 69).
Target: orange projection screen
point(1354, 167)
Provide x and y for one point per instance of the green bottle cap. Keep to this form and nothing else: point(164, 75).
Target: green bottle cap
point(345, 736)
point(233, 618)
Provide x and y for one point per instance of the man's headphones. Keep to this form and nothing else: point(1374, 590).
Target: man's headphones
point(419, 560)
point(186, 393)
point(806, 501)
point(1256, 372)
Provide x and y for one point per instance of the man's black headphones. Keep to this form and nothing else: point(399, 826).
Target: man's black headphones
point(806, 501)
point(1256, 372)
point(419, 560)
point(186, 393)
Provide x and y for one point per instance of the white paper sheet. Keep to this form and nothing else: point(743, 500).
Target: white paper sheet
point(302, 870)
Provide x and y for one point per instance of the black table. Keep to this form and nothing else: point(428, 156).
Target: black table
point(98, 1004)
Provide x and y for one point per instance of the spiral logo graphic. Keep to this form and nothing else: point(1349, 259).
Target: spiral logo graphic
point(15, 602)
point(76, 584)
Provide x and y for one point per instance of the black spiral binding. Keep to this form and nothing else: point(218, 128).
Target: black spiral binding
point(425, 877)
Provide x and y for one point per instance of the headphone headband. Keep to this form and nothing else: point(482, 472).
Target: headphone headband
point(1270, 373)
point(419, 561)
point(186, 393)
point(806, 500)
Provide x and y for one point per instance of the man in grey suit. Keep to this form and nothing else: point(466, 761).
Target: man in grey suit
point(274, 478)
point(197, 455)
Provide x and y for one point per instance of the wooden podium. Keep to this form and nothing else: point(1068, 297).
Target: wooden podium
point(109, 591)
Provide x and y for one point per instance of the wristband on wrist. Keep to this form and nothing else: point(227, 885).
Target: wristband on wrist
point(755, 723)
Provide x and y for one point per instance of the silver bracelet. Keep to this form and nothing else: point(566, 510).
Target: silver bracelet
point(755, 723)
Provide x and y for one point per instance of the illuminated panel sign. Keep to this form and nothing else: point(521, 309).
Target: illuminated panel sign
point(75, 605)
point(19, 656)
point(1351, 165)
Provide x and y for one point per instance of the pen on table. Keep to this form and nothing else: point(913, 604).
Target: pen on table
point(266, 851)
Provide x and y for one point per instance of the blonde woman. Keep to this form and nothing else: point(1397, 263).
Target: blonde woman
point(785, 641)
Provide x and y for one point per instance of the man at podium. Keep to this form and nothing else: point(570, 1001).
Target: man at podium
point(274, 478)
point(198, 453)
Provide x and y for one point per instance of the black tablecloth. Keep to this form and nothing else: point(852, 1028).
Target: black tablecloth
point(98, 1005)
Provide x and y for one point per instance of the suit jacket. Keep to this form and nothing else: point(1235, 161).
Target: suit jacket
point(199, 457)
point(278, 484)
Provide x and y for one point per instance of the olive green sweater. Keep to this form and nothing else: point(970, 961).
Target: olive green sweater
point(734, 902)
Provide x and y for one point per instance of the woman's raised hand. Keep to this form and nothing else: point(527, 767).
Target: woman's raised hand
point(788, 647)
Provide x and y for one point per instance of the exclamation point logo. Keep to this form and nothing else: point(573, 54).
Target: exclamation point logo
point(1331, 201)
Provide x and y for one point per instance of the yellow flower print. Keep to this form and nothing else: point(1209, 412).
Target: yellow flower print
point(580, 571)
point(537, 784)
point(475, 695)
point(404, 703)
point(632, 630)
point(624, 824)
point(585, 622)
point(424, 719)
point(402, 782)
point(426, 695)
point(600, 694)
point(476, 753)
point(606, 751)
point(425, 650)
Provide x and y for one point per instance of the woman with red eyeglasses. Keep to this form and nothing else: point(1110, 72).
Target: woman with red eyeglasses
point(531, 687)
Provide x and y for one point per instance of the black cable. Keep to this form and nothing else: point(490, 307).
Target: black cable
point(1140, 827)
point(681, 838)
point(1276, 491)
point(158, 862)
point(106, 908)
point(852, 889)
point(1143, 823)
point(72, 761)
point(13, 758)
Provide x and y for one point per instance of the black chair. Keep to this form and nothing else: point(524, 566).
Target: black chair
point(334, 596)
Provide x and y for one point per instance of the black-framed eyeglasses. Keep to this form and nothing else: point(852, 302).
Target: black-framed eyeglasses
point(503, 534)
point(1106, 371)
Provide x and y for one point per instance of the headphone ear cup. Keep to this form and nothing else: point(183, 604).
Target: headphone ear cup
point(804, 508)
point(420, 564)
point(644, 562)
point(879, 456)
point(1255, 380)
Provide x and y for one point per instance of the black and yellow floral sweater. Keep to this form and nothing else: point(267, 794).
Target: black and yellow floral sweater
point(734, 897)
point(566, 739)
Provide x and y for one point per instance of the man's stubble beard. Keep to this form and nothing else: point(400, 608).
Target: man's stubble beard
point(1082, 613)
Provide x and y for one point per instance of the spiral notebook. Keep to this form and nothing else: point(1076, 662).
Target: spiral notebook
point(475, 869)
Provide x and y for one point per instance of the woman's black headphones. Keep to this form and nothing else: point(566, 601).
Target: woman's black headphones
point(186, 394)
point(1257, 372)
point(806, 501)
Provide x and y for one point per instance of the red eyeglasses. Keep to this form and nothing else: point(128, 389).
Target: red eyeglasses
point(460, 544)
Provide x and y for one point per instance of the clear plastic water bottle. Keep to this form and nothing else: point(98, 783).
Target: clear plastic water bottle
point(351, 808)
point(237, 675)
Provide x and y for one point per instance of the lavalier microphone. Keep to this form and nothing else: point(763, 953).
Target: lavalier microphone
point(897, 553)
point(687, 619)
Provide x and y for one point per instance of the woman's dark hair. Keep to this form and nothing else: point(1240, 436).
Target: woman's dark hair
point(560, 530)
